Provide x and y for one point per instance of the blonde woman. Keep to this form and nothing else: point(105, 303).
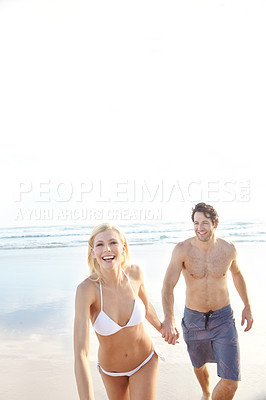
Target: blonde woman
point(115, 300)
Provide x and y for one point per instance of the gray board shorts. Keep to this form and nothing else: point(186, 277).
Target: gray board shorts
point(212, 337)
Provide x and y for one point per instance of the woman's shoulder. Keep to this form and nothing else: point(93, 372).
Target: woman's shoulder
point(133, 271)
point(88, 288)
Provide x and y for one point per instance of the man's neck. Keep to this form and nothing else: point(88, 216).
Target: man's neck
point(207, 245)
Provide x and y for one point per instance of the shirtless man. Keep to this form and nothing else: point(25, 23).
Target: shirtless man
point(208, 324)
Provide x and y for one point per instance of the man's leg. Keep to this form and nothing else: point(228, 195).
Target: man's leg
point(226, 350)
point(225, 389)
point(203, 376)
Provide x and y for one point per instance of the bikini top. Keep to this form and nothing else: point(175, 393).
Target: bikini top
point(105, 326)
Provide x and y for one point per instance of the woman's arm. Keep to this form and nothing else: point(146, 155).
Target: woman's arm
point(151, 314)
point(152, 317)
point(81, 342)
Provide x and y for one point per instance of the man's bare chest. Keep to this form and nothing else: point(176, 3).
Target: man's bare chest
point(199, 264)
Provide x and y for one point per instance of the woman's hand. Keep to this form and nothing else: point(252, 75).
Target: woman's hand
point(169, 332)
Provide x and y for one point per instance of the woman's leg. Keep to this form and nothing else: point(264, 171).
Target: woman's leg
point(143, 384)
point(117, 388)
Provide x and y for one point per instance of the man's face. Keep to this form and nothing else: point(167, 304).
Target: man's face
point(203, 227)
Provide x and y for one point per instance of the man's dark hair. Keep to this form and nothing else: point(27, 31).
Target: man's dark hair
point(207, 210)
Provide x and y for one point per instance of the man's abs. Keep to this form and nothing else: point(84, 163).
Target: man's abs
point(206, 294)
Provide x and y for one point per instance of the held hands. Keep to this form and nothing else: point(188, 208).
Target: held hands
point(169, 332)
point(247, 315)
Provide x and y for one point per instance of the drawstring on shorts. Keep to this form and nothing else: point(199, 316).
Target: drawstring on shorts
point(207, 315)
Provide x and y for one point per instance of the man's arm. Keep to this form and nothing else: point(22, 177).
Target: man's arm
point(169, 331)
point(241, 287)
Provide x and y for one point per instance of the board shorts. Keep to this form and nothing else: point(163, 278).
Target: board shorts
point(212, 337)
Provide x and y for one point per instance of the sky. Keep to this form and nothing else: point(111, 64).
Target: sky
point(119, 105)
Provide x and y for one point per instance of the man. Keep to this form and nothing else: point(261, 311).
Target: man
point(208, 324)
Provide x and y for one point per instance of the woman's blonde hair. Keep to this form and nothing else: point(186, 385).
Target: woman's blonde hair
point(93, 264)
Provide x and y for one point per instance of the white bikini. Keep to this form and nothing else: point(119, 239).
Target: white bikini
point(105, 326)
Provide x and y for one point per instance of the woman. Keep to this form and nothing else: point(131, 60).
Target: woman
point(116, 302)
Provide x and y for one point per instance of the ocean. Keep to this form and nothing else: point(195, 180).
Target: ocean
point(137, 233)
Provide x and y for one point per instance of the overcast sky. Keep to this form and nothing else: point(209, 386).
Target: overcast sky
point(167, 94)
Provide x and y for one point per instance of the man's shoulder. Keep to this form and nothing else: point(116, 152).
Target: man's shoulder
point(226, 245)
point(185, 245)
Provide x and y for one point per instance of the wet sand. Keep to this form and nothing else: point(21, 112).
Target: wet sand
point(37, 309)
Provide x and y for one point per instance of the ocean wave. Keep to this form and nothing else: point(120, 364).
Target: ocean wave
point(169, 232)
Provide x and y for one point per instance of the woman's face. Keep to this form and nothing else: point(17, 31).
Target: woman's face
point(108, 248)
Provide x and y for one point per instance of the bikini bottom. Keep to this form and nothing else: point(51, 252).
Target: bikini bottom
point(129, 373)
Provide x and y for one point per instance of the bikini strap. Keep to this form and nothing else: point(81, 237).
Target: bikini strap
point(129, 284)
point(101, 293)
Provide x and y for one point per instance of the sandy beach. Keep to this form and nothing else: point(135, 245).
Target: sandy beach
point(37, 291)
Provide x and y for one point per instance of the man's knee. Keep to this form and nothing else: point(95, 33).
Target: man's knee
point(201, 370)
point(203, 367)
point(230, 385)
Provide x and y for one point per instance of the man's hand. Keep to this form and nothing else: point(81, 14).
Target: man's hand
point(247, 315)
point(169, 332)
